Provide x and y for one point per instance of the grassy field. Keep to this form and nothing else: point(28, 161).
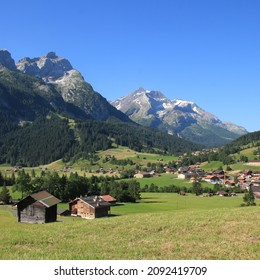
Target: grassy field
point(161, 226)
point(169, 179)
point(83, 166)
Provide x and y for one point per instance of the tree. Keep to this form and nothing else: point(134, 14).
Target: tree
point(5, 196)
point(196, 188)
point(1, 179)
point(249, 198)
point(23, 183)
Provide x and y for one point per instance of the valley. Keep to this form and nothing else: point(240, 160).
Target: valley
point(179, 174)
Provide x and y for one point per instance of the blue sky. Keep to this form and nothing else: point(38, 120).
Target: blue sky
point(206, 51)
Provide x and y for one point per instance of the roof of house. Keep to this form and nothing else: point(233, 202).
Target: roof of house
point(93, 201)
point(108, 198)
point(211, 177)
point(230, 182)
point(45, 198)
point(222, 192)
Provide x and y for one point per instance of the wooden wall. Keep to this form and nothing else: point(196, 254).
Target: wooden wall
point(33, 213)
point(84, 210)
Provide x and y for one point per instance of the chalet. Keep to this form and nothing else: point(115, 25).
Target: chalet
point(256, 173)
point(247, 172)
point(108, 198)
point(230, 183)
point(169, 170)
point(183, 169)
point(186, 175)
point(143, 175)
point(241, 179)
point(89, 207)
point(182, 193)
point(256, 191)
point(219, 172)
point(212, 179)
point(255, 183)
point(222, 193)
point(38, 208)
point(254, 162)
point(194, 179)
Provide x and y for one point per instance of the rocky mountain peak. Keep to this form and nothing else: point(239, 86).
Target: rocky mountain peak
point(181, 117)
point(49, 67)
point(7, 61)
point(140, 90)
point(150, 94)
point(51, 55)
point(71, 86)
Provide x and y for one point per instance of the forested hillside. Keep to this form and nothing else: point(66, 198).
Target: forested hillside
point(50, 138)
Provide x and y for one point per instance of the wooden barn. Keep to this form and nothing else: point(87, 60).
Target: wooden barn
point(38, 208)
point(89, 207)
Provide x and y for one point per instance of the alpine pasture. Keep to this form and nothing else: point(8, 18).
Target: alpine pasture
point(160, 226)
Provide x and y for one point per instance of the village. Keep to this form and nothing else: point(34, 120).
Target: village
point(41, 207)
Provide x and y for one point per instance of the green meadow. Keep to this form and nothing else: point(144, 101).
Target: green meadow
point(169, 179)
point(160, 226)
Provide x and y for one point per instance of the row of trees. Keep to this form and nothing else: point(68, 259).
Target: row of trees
point(67, 188)
point(196, 189)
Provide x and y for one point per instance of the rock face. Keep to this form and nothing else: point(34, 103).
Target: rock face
point(48, 67)
point(71, 85)
point(7, 61)
point(180, 117)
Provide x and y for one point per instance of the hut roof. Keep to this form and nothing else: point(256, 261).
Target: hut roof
point(94, 201)
point(45, 198)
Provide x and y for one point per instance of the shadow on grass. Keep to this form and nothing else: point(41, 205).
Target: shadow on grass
point(153, 201)
point(118, 204)
point(113, 215)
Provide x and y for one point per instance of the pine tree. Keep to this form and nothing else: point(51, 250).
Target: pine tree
point(5, 196)
point(249, 198)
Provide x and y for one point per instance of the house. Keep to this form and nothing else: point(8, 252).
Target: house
point(194, 179)
point(256, 183)
point(230, 183)
point(143, 175)
point(169, 170)
point(222, 193)
point(186, 175)
point(256, 191)
point(89, 207)
point(219, 172)
point(212, 179)
point(248, 172)
point(108, 198)
point(182, 193)
point(38, 208)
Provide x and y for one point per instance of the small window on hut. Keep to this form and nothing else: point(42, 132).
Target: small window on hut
point(30, 210)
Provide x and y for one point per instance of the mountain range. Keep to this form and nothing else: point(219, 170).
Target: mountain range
point(177, 117)
point(48, 112)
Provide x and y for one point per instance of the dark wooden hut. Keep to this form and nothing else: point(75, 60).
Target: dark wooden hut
point(38, 208)
point(89, 207)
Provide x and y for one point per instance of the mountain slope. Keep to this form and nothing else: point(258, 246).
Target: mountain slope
point(180, 117)
point(48, 139)
point(71, 85)
point(23, 98)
